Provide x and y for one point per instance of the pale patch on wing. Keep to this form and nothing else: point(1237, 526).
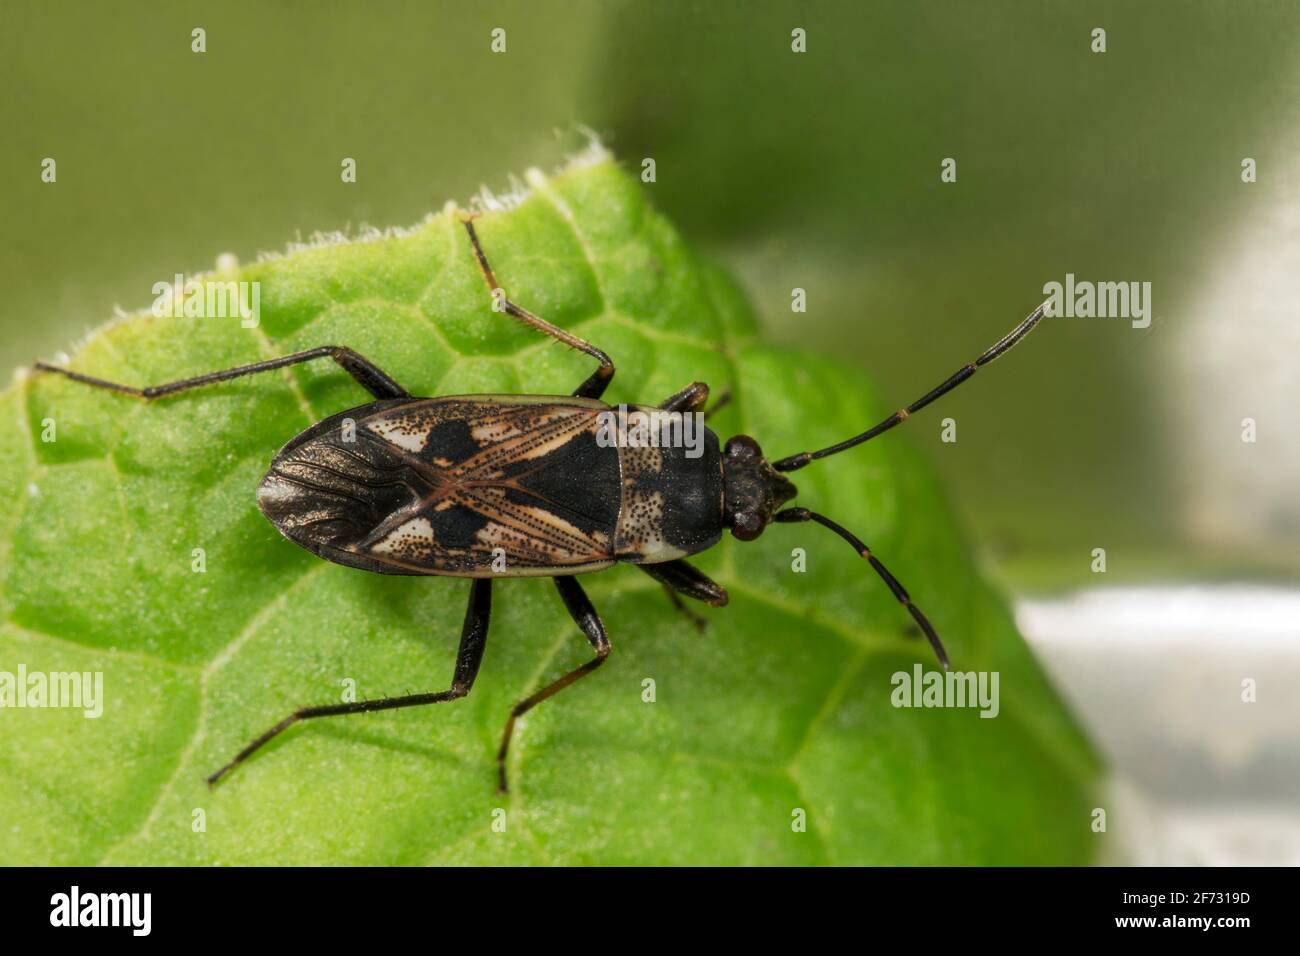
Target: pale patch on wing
point(412, 540)
point(406, 432)
point(495, 430)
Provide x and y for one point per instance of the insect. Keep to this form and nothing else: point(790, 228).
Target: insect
point(490, 486)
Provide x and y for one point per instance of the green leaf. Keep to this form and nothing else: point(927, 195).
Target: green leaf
point(782, 703)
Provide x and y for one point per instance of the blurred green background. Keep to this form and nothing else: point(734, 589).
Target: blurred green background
point(817, 170)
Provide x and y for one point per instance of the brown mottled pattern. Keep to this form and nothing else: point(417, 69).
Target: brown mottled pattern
point(317, 492)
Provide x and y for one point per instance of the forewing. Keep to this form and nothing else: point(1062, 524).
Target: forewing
point(466, 487)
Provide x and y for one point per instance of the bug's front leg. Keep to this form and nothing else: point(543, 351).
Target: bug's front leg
point(473, 640)
point(722, 401)
point(693, 398)
point(681, 577)
point(584, 614)
point(689, 399)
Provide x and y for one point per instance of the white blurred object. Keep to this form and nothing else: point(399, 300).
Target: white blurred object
point(1156, 676)
point(1235, 359)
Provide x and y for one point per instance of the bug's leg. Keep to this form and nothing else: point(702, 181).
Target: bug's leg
point(689, 399)
point(693, 398)
point(595, 384)
point(680, 577)
point(580, 608)
point(696, 618)
point(473, 639)
point(369, 375)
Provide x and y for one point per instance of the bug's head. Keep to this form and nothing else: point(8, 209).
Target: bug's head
point(754, 490)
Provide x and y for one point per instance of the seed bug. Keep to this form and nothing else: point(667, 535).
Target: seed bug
point(443, 486)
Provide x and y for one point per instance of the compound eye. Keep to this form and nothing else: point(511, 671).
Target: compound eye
point(746, 525)
point(742, 446)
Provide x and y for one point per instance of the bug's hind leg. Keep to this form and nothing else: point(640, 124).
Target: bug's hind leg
point(584, 614)
point(680, 577)
point(595, 384)
point(473, 639)
point(369, 375)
